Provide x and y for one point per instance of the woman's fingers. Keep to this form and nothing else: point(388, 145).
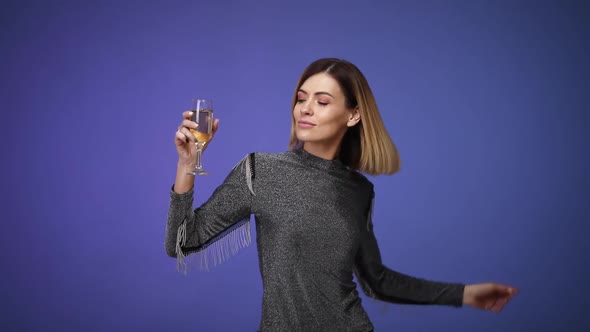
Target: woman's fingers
point(180, 138)
point(188, 134)
point(184, 135)
point(215, 125)
point(189, 124)
point(501, 303)
point(187, 115)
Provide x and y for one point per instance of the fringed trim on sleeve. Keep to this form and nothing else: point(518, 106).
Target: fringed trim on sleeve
point(246, 165)
point(227, 243)
point(365, 286)
point(181, 265)
point(369, 224)
point(370, 213)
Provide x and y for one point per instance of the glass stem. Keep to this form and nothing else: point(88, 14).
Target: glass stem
point(199, 152)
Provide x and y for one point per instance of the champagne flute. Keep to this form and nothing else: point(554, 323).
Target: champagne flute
point(202, 113)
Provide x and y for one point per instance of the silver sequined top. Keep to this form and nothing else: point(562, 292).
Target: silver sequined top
point(314, 231)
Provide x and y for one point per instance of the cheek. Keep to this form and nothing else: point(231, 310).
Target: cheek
point(332, 119)
point(330, 125)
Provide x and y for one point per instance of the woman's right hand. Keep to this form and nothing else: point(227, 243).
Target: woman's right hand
point(185, 140)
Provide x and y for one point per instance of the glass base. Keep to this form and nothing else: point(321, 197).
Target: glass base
point(198, 171)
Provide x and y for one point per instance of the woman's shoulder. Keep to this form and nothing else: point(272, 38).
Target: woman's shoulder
point(362, 179)
point(265, 157)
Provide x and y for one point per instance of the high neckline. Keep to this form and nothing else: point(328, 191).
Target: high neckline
point(319, 162)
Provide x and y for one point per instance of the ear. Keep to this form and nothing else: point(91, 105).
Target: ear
point(354, 117)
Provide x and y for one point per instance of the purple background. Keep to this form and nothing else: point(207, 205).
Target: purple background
point(486, 100)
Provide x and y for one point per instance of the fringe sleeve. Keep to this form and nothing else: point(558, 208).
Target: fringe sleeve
point(217, 229)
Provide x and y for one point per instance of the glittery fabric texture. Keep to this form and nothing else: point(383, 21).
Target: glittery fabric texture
point(314, 231)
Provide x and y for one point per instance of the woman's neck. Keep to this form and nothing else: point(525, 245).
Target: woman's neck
point(324, 151)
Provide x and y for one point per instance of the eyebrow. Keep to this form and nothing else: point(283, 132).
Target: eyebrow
point(317, 93)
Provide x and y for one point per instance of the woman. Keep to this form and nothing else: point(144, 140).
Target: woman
point(312, 208)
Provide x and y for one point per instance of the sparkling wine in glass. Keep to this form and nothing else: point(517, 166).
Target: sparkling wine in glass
point(202, 113)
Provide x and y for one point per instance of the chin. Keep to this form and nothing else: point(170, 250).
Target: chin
point(300, 136)
point(304, 137)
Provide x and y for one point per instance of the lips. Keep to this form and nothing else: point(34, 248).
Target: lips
point(305, 124)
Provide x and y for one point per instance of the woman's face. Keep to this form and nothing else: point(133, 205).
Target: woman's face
point(320, 113)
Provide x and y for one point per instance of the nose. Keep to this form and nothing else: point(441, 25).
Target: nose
point(306, 109)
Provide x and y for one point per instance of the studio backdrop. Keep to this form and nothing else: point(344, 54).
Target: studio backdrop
point(487, 102)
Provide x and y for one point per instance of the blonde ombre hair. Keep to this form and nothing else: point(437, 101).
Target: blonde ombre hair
point(367, 146)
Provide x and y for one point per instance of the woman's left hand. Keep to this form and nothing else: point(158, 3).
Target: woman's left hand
point(488, 296)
